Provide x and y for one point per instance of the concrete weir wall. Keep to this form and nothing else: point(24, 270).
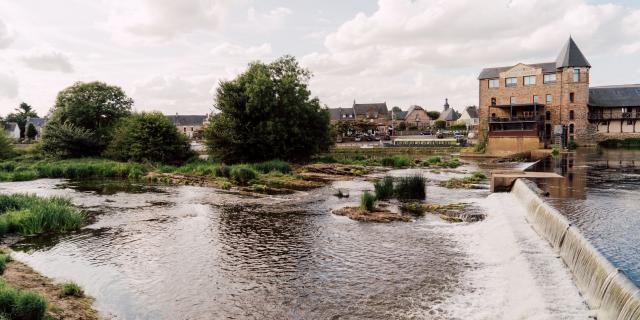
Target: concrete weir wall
point(605, 288)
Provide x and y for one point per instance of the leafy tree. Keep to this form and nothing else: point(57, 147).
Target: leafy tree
point(457, 114)
point(148, 136)
point(440, 124)
point(266, 113)
point(396, 109)
point(92, 108)
point(31, 131)
point(433, 114)
point(67, 141)
point(402, 126)
point(6, 147)
point(23, 112)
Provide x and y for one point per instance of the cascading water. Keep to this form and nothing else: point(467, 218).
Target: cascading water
point(604, 287)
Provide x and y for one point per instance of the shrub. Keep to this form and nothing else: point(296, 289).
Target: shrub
point(573, 145)
point(555, 152)
point(273, 165)
point(433, 161)
point(6, 147)
point(367, 201)
point(396, 161)
point(412, 187)
point(29, 214)
point(4, 259)
point(384, 188)
point(8, 297)
point(222, 171)
point(72, 289)
point(243, 174)
point(148, 136)
point(66, 140)
point(30, 305)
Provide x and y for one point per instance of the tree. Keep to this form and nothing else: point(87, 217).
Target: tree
point(148, 136)
point(266, 113)
point(433, 114)
point(402, 126)
point(92, 109)
point(67, 141)
point(6, 147)
point(31, 131)
point(396, 109)
point(440, 124)
point(23, 112)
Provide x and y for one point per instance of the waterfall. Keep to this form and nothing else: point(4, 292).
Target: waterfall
point(604, 287)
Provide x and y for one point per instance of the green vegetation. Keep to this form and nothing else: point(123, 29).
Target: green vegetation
point(4, 259)
point(72, 289)
point(6, 146)
point(23, 169)
point(415, 208)
point(412, 187)
point(465, 182)
point(384, 188)
point(396, 161)
point(438, 162)
point(243, 174)
point(148, 136)
point(273, 165)
point(624, 143)
point(341, 194)
point(29, 214)
point(31, 132)
point(23, 112)
point(83, 118)
point(267, 113)
point(21, 304)
point(368, 201)
point(572, 145)
point(555, 152)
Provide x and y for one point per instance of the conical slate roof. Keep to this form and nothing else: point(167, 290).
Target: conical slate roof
point(571, 56)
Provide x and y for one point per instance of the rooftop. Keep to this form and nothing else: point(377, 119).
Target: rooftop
point(615, 96)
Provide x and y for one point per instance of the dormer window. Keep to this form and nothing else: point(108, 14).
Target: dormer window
point(510, 82)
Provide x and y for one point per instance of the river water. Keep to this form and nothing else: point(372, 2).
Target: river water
point(197, 253)
point(600, 195)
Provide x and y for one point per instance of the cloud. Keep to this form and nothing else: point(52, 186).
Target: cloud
point(234, 51)
point(166, 19)
point(268, 21)
point(446, 43)
point(48, 60)
point(6, 38)
point(8, 85)
point(176, 93)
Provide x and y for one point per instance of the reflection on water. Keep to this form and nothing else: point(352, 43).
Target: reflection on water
point(600, 195)
point(205, 254)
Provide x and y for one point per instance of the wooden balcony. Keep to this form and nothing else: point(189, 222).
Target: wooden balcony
point(613, 115)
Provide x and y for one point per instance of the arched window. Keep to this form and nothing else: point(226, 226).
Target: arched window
point(571, 115)
point(493, 101)
point(548, 115)
point(571, 128)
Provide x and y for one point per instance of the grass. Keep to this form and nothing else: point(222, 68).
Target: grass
point(4, 259)
point(243, 174)
point(21, 304)
point(465, 182)
point(272, 166)
point(341, 194)
point(368, 201)
point(438, 162)
point(384, 188)
point(29, 214)
point(86, 168)
point(396, 161)
point(412, 187)
point(72, 289)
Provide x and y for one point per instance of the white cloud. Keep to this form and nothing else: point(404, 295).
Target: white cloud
point(175, 94)
point(268, 21)
point(6, 38)
point(48, 60)
point(234, 51)
point(8, 85)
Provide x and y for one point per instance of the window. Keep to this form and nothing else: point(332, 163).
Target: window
point(184, 129)
point(493, 115)
point(529, 80)
point(512, 100)
point(510, 82)
point(191, 128)
point(549, 78)
point(572, 97)
point(549, 98)
point(548, 115)
point(571, 128)
point(536, 99)
point(494, 83)
point(571, 115)
point(493, 101)
point(576, 75)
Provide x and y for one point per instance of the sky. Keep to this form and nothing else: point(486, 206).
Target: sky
point(170, 55)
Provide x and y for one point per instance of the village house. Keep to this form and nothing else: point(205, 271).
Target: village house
point(189, 125)
point(448, 115)
point(12, 130)
point(526, 106)
point(415, 118)
point(470, 117)
point(37, 123)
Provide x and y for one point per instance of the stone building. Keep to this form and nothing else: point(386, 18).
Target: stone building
point(448, 115)
point(527, 105)
point(416, 118)
point(189, 125)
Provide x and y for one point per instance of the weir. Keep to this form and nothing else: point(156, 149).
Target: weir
point(605, 288)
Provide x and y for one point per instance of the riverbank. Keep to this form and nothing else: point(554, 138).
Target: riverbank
point(20, 276)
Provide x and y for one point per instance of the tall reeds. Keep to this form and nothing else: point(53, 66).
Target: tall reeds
point(29, 214)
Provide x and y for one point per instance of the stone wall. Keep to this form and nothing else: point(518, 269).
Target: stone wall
point(510, 145)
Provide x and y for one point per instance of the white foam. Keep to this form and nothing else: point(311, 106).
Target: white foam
point(519, 276)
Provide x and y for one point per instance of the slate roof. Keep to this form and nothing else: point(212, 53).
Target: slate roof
point(10, 126)
point(472, 111)
point(400, 115)
point(448, 115)
point(615, 96)
point(336, 113)
point(37, 122)
point(571, 56)
point(363, 108)
point(187, 120)
point(491, 73)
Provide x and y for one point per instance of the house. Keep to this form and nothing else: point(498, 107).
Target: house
point(37, 123)
point(415, 118)
point(448, 114)
point(189, 125)
point(342, 114)
point(531, 105)
point(470, 117)
point(12, 130)
point(375, 114)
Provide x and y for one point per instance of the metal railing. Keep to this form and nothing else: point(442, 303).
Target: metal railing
point(614, 115)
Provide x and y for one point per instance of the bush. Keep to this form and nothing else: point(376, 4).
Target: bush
point(384, 188)
point(222, 171)
point(29, 305)
point(396, 161)
point(242, 174)
point(66, 140)
point(555, 152)
point(29, 214)
point(72, 289)
point(8, 297)
point(413, 187)
point(368, 201)
point(273, 165)
point(6, 147)
point(268, 112)
point(4, 259)
point(433, 161)
point(148, 136)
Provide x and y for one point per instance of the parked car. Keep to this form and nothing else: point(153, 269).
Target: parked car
point(439, 135)
point(358, 138)
point(426, 133)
